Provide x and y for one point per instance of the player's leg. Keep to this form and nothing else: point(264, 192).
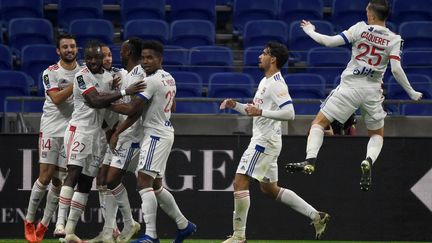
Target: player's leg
point(149, 204)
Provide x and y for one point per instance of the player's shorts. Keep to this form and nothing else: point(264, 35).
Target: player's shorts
point(342, 102)
point(154, 154)
point(258, 165)
point(83, 149)
point(106, 151)
point(52, 151)
point(126, 157)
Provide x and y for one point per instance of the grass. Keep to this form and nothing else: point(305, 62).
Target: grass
point(249, 241)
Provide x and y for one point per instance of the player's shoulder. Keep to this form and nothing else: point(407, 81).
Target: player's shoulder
point(53, 68)
point(137, 71)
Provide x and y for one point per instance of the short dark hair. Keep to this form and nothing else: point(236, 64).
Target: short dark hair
point(62, 36)
point(92, 44)
point(135, 46)
point(380, 8)
point(156, 46)
point(278, 50)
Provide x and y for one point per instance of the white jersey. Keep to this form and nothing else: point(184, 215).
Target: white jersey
point(372, 48)
point(272, 94)
point(133, 132)
point(83, 116)
point(55, 117)
point(160, 93)
point(110, 117)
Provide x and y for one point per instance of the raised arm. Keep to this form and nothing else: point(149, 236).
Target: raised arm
point(326, 40)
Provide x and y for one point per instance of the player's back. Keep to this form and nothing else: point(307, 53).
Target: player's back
point(160, 93)
point(372, 48)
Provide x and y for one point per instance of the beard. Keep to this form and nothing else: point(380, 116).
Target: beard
point(68, 59)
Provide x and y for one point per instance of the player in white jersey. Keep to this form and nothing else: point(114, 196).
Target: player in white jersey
point(126, 157)
point(82, 136)
point(271, 105)
point(155, 103)
point(57, 110)
point(373, 47)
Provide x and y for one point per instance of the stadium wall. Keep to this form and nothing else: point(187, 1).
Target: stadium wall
point(200, 173)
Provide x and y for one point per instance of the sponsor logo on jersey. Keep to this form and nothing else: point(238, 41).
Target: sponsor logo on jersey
point(81, 83)
point(46, 81)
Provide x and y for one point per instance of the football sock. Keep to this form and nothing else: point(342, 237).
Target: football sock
point(314, 141)
point(66, 194)
point(122, 203)
point(111, 212)
point(37, 193)
point(77, 207)
point(291, 199)
point(169, 206)
point(149, 210)
point(374, 147)
point(52, 202)
point(101, 193)
point(241, 209)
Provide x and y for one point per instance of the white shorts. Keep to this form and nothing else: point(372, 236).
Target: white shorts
point(52, 151)
point(107, 155)
point(126, 157)
point(258, 165)
point(342, 102)
point(83, 149)
point(154, 154)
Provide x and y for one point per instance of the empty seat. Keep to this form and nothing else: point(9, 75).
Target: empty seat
point(416, 34)
point(347, 13)
point(413, 10)
point(230, 85)
point(328, 62)
point(416, 109)
point(36, 58)
point(188, 84)
point(192, 9)
point(201, 107)
point(259, 32)
point(190, 33)
point(417, 61)
point(12, 83)
point(154, 29)
point(78, 9)
point(28, 31)
point(11, 9)
point(296, 10)
point(306, 86)
point(247, 10)
point(205, 60)
point(142, 9)
point(5, 58)
point(87, 29)
point(419, 82)
point(299, 42)
point(116, 59)
point(176, 58)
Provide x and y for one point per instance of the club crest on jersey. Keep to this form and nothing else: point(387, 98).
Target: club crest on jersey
point(46, 81)
point(371, 29)
point(81, 83)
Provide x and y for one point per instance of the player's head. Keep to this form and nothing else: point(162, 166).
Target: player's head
point(107, 57)
point(93, 56)
point(66, 47)
point(274, 53)
point(377, 10)
point(151, 55)
point(131, 50)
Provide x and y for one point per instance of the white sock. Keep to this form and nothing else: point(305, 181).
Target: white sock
point(291, 199)
point(315, 141)
point(169, 206)
point(66, 194)
point(111, 211)
point(149, 210)
point(52, 202)
point(241, 209)
point(77, 207)
point(36, 196)
point(374, 147)
point(101, 193)
point(122, 203)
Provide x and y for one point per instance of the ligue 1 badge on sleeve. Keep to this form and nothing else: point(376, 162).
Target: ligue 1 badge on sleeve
point(81, 83)
point(46, 81)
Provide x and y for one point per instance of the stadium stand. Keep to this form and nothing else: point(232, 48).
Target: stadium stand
point(417, 61)
point(176, 58)
point(246, 10)
point(13, 83)
point(234, 85)
point(78, 9)
point(154, 30)
point(143, 9)
point(413, 10)
point(188, 84)
point(36, 58)
point(416, 34)
point(5, 58)
point(11, 9)
point(28, 31)
point(87, 29)
point(259, 32)
point(192, 9)
point(296, 10)
point(347, 13)
point(191, 33)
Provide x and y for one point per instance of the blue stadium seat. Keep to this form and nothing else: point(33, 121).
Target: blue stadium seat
point(188, 84)
point(259, 32)
point(412, 10)
point(191, 33)
point(299, 42)
point(142, 9)
point(154, 29)
point(246, 10)
point(296, 10)
point(87, 29)
point(328, 62)
point(416, 34)
point(116, 59)
point(230, 85)
point(391, 26)
point(419, 82)
point(176, 58)
point(193, 9)
point(306, 86)
point(36, 58)
point(111, 2)
point(78, 9)
point(28, 31)
point(5, 58)
point(416, 109)
point(205, 60)
point(347, 13)
point(417, 61)
point(12, 83)
point(11, 9)
point(197, 107)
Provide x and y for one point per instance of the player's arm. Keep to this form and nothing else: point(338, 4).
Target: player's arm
point(284, 113)
point(402, 79)
point(96, 100)
point(326, 40)
point(232, 104)
point(136, 105)
point(59, 96)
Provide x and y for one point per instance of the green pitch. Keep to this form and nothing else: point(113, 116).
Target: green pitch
point(249, 241)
